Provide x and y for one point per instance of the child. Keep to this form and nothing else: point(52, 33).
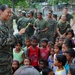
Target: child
point(15, 65)
point(57, 49)
point(66, 46)
point(51, 58)
point(18, 54)
point(42, 64)
point(70, 34)
point(61, 40)
point(44, 51)
point(27, 61)
point(57, 41)
point(28, 43)
point(50, 44)
point(70, 54)
point(71, 70)
point(60, 62)
point(33, 52)
point(47, 71)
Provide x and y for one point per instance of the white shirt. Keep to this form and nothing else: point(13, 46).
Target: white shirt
point(60, 72)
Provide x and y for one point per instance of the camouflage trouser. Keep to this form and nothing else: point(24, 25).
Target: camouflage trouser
point(5, 70)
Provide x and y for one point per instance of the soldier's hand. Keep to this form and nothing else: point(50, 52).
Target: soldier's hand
point(23, 30)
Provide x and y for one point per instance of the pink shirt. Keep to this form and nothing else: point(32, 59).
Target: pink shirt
point(44, 53)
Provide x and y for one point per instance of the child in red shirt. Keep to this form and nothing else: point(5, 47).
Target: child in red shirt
point(44, 50)
point(33, 52)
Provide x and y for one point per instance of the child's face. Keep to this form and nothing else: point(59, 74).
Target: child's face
point(27, 42)
point(56, 50)
point(41, 65)
point(18, 46)
point(49, 46)
point(60, 41)
point(57, 42)
point(34, 42)
point(51, 73)
point(64, 48)
point(56, 62)
point(44, 44)
point(68, 57)
point(69, 35)
point(26, 62)
point(52, 51)
point(15, 65)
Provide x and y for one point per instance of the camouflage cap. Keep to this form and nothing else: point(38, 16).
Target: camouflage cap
point(26, 70)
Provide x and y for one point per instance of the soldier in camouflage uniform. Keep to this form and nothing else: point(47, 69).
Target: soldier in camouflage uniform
point(6, 41)
point(52, 26)
point(41, 27)
point(22, 23)
point(30, 29)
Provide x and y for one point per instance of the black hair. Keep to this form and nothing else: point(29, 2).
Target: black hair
point(72, 69)
point(46, 71)
point(44, 61)
point(55, 15)
point(44, 40)
point(19, 42)
point(17, 67)
point(3, 7)
point(33, 38)
point(65, 8)
point(40, 13)
point(70, 30)
point(32, 13)
point(68, 43)
point(61, 58)
point(59, 46)
point(71, 52)
point(27, 38)
point(27, 58)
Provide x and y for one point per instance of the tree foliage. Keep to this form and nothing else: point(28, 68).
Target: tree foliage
point(22, 3)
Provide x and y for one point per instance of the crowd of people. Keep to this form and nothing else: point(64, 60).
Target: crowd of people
point(43, 46)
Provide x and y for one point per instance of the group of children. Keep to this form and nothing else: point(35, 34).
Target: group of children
point(51, 58)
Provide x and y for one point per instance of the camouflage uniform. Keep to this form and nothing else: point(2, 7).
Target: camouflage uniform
point(30, 29)
point(41, 25)
point(52, 28)
point(22, 23)
point(6, 46)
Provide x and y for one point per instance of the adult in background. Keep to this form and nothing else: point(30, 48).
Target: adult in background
point(52, 26)
point(68, 16)
point(6, 41)
point(30, 29)
point(22, 23)
point(62, 26)
point(41, 27)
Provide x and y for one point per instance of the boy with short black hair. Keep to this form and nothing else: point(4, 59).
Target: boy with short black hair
point(44, 50)
point(33, 52)
point(60, 62)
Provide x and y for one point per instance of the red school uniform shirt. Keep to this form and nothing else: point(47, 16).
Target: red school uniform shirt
point(34, 55)
point(44, 53)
